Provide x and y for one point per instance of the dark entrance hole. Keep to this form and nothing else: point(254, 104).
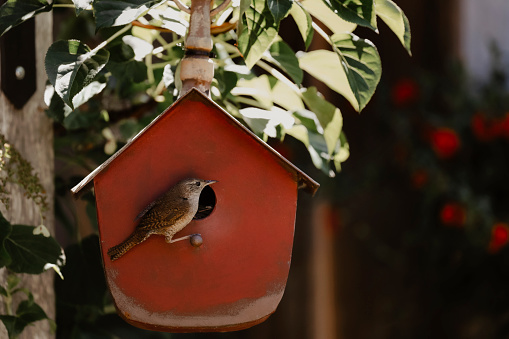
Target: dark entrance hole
point(206, 204)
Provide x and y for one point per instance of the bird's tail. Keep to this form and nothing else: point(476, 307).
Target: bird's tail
point(134, 239)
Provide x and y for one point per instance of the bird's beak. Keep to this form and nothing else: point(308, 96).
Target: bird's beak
point(210, 182)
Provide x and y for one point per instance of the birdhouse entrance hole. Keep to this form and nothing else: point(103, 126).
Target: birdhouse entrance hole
point(206, 204)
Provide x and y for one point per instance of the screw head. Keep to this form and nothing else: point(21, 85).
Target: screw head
point(196, 240)
point(20, 72)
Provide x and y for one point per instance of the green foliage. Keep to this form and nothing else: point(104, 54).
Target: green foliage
point(14, 12)
point(17, 170)
point(28, 249)
point(72, 66)
point(101, 96)
point(351, 67)
point(27, 312)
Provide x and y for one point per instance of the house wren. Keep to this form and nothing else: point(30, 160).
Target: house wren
point(166, 216)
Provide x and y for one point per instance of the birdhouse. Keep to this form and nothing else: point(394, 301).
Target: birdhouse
point(237, 277)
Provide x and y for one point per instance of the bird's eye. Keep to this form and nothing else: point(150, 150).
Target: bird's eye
point(197, 183)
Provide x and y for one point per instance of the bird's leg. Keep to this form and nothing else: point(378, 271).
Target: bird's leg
point(179, 239)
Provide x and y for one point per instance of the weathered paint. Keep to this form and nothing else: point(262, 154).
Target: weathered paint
point(237, 277)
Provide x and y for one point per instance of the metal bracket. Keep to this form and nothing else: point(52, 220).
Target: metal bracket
point(17, 63)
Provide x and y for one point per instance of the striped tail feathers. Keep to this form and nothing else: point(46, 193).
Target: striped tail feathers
point(134, 239)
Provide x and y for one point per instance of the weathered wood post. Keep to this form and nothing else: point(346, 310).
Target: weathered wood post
point(29, 130)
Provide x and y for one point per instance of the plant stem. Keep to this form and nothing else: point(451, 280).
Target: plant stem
point(278, 75)
point(63, 5)
point(114, 36)
point(322, 33)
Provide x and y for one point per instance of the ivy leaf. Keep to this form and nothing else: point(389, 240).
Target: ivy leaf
point(361, 63)
point(27, 312)
point(5, 231)
point(360, 12)
point(397, 21)
point(110, 13)
point(285, 58)
point(303, 21)
point(81, 5)
point(279, 8)
point(31, 253)
point(257, 32)
point(71, 66)
point(14, 12)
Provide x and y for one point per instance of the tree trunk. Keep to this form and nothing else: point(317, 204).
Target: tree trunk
point(30, 132)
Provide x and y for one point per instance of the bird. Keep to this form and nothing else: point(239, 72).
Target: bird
point(166, 216)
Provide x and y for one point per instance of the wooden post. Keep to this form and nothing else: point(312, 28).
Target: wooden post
point(30, 131)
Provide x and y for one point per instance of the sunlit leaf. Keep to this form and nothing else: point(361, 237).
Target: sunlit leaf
point(109, 13)
point(328, 116)
point(71, 66)
point(303, 21)
point(326, 67)
point(264, 121)
point(279, 8)
point(397, 21)
point(285, 58)
point(360, 12)
point(14, 12)
point(361, 63)
point(82, 5)
point(257, 32)
point(326, 15)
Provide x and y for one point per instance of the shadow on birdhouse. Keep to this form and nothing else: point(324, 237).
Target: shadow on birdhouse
point(237, 277)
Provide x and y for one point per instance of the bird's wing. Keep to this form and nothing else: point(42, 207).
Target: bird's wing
point(157, 218)
point(148, 208)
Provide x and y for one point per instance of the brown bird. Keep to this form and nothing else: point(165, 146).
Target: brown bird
point(166, 216)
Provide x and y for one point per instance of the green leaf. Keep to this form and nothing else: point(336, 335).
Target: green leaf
point(5, 231)
point(361, 63)
point(109, 13)
point(309, 132)
point(124, 66)
point(14, 12)
point(257, 32)
point(397, 21)
point(81, 5)
point(360, 12)
point(28, 312)
point(71, 66)
point(328, 115)
point(326, 15)
point(31, 253)
point(279, 8)
point(326, 67)
point(265, 122)
point(303, 21)
point(285, 58)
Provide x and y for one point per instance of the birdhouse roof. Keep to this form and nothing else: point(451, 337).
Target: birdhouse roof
point(302, 179)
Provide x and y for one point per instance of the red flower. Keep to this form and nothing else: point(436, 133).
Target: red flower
point(453, 214)
point(445, 142)
point(487, 129)
point(499, 237)
point(419, 178)
point(405, 92)
point(504, 126)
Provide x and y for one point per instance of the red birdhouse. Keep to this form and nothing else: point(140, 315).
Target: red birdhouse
point(237, 277)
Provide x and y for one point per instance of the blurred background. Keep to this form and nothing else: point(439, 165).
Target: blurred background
point(410, 239)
